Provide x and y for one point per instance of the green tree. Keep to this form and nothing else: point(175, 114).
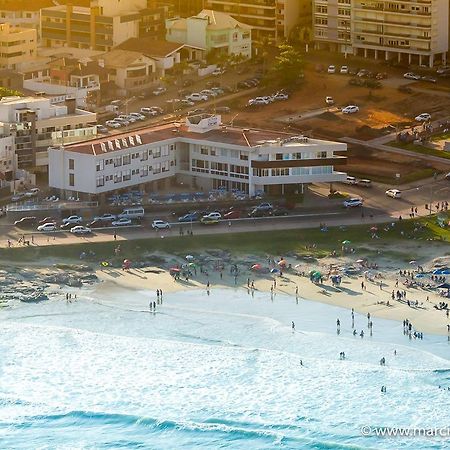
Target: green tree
point(5, 92)
point(287, 69)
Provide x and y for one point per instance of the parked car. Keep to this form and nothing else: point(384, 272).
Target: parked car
point(159, 91)
point(123, 221)
point(353, 202)
point(393, 193)
point(351, 109)
point(73, 219)
point(365, 183)
point(351, 180)
point(213, 215)
point(126, 118)
point(148, 111)
point(190, 217)
point(218, 71)
point(80, 229)
point(223, 109)
point(280, 96)
point(258, 101)
point(47, 219)
point(331, 69)
point(233, 214)
point(25, 222)
point(113, 124)
point(424, 117)
point(160, 225)
point(411, 76)
point(47, 227)
point(344, 70)
point(265, 207)
point(102, 130)
point(329, 101)
point(107, 217)
point(280, 211)
point(428, 79)
point(197, 97)
point(97, 223)
point(32, 192)
point(137, 116)
point(209, 220)
point(136, 212)
point(122, 121)
point(255, 212)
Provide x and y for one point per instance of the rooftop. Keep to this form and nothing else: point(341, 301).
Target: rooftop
point(150, 47)
point(236, 136)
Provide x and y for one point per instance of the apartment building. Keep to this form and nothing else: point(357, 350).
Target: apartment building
point(408, 31)
point(213, 32)
point(17, 45)
point(36, 124)
point(270, 19)
point(101, 26)
point(201, 153)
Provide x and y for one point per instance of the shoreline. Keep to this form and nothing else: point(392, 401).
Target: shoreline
point(425, 318)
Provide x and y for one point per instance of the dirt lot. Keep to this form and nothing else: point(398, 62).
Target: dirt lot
point(379, 108)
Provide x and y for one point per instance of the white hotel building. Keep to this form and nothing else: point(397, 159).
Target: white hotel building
point(201, 153)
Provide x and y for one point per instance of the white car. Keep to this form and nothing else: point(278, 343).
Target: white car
point(50, 226)
point(258, 101)
point(329, 100)
point(186, 102)
point(218, 72)
point(149, 111)
point(424, 117)
point(353, 202)
point(138, 116)
point(280, 96)
point(159, 91)
point(160, 225)
point(121, 222)
point(213, 215)
point(350, 109)
point(107, 217)
point(197, 97)
point(80, 229)
point(127, 118)
point(331, 69)
point(393, 193)
point(344, 70)
point(122, 121)
point(113, 124)
point(73, 219)
point(411, 76)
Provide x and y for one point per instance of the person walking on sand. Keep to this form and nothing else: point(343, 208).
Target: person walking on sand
point(293, 326)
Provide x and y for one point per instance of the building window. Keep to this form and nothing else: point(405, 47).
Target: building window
point(144, 155)
point(127, 175)
point(71, 179)
point(126, 159)
point(156, 152)
point(117, 161)
point(118, 177)
point(144, 171)
point(204, 151)
point(157, 168)
point(100, 181)
point(71, 164)
point(321, 9)
point(165, 151)
point(100, 165)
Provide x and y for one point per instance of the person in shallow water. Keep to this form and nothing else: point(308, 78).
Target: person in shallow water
point(293, 326)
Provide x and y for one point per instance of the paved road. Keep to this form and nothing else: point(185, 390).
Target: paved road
point(378, 208)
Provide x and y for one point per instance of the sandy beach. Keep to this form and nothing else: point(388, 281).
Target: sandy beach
point(349, 294)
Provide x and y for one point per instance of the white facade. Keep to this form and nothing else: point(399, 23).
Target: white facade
point(249, 160)
point(210, 30)
point(414, 31)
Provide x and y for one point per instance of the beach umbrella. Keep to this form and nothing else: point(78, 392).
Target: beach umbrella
point(274, 271)
point(189, 257)
point(256, 267)
point(346, 242)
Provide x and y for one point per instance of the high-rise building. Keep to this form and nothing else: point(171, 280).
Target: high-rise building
point(409, 31)
point(18, 45)
point(101, 26)
point(271, 19)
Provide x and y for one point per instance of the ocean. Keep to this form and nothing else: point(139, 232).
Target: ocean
point(218, 371)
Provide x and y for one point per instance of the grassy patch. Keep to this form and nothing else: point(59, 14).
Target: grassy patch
point(267, 242)
point(420, 149)
point(408, 177)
